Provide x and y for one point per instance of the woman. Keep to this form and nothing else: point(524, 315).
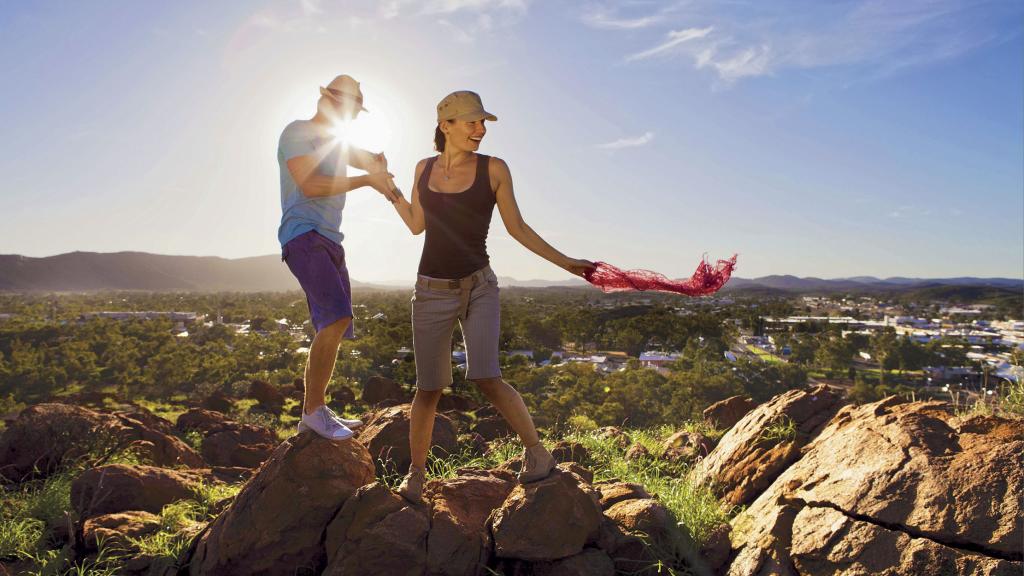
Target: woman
point(453, 198)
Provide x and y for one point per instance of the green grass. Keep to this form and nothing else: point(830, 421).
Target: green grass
point(778, 431)
point(764, 354)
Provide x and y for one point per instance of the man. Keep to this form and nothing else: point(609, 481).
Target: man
point(314, 183)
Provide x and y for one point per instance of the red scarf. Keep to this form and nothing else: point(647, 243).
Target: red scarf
point(706, 280)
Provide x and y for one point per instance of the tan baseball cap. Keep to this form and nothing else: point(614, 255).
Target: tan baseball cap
point(341, 86)
point(463, 105)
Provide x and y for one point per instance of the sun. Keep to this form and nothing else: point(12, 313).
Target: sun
point(369, 131)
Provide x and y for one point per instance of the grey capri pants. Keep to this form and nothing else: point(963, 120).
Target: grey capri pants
point(436, 305)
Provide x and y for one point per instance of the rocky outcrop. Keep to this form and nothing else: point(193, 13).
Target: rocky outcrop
point(893, 488)
point(386, 434)
point(724, 414)
point(765, 442)
point(45, 437)
point(276, 524)
point(492, 428)
point(686, 447)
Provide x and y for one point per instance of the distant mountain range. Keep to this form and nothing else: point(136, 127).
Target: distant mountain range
point(91, 271)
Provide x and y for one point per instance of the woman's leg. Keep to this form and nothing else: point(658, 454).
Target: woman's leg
point(421, 425)
point(510, 404)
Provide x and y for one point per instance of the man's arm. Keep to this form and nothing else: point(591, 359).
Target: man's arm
point(314, 184)
point(368, 161)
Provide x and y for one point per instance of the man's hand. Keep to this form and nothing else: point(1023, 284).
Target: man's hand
point(378, 163)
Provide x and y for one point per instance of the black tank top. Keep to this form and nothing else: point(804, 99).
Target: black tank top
point(456, 225)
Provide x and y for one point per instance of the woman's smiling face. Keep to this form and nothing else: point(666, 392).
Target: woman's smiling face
point(463, 134)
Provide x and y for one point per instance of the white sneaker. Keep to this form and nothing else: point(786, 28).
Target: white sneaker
point(325, 423)
point(350, 424)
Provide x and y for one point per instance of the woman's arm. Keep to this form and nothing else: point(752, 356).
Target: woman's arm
point(412, 212)
point(501, 181)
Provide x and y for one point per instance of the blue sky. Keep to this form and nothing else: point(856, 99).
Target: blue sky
point(816, 139)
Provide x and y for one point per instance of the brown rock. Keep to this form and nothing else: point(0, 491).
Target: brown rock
point(716, 547)
point(686, 447)
point(341, 398)
point(275, 524)
point(148, 419)
point(547, 520)
point(493, 427)
point(637, 452)
point(643, 533)
point(576, 468)
point(724, 414)
point(218, 401)
point(377, 533)
point(459, 543)
point(612, 493)
point(45, 436)
point(590, 562)
point(893, 488)
point(622, 440)
point(114, 530)
point(119, 487)
point(229, 449)
point(378, 389)
point(160, 448)
point(269, 397)
point(565, 451)
point(227, 443)
point(456, 402)
point(475, 442)
point(386, 435)
point(299, 385)
point(753, 453)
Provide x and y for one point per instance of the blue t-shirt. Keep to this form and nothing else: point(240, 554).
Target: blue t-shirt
point(300, 214)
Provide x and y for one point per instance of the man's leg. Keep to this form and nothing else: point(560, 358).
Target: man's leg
point(320, 364)
point(510, 404)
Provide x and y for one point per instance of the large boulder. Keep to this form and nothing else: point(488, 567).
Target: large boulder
point(547, 520)
point(566, 451)
point(120, 487)
point(386, 435)
point(724, 414)
point(377, 389)
point(377, 533)
point(893, 488)
point(218, 401)
point(44, 437)
point(276, 524)
point(612, 493)
point(459, 543)
point(765, 442)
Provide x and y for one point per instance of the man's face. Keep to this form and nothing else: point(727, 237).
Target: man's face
point(340, 109)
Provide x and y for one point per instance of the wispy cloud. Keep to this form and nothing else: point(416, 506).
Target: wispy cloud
point(875, 37)
point(673, 39)
point(619, 17)
point(634, 142)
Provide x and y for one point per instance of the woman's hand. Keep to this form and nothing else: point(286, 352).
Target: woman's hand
point(578, 267)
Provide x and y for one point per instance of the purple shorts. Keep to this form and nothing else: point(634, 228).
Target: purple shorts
point(319, 264)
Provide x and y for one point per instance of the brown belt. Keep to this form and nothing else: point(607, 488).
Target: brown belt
point(463, 285)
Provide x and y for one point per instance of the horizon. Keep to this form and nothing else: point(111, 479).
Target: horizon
point(853, 139)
